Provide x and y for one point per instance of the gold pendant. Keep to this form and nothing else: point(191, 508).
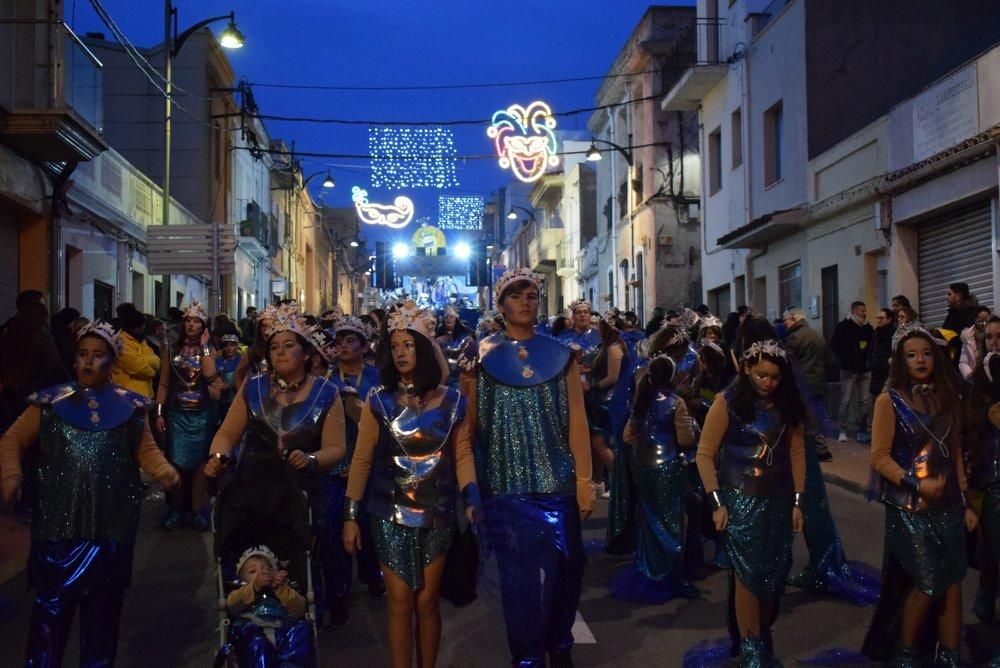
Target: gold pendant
point(522, 353)
point(527, 372)
point(92, 404)
point(95, 418)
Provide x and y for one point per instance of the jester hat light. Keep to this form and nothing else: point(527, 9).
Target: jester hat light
point(525, 140)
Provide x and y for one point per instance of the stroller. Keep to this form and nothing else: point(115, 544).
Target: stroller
point(273, 512)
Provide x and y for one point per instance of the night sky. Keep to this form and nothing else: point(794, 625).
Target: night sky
point(400, 43)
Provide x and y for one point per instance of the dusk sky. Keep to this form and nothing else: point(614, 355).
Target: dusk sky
point(401, 43)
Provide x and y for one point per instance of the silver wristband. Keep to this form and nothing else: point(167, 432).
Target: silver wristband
point(715, 498)
point(313, 462)
point(352, 508)
point(797, 500)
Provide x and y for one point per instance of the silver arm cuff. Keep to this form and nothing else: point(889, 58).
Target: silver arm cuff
point(352, 508)
point(715, 498)
point(797, 500)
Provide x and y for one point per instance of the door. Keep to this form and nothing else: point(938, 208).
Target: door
point(830, 294)
point(104, 295)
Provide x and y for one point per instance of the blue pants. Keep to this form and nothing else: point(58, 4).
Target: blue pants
point(91, 575)
point(336, 562)
point(292, 645)
point(539, 548)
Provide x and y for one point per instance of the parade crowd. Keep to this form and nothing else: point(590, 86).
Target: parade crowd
point(413, 446)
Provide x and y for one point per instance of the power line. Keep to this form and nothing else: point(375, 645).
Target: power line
point(505, 84)
point(340, 121)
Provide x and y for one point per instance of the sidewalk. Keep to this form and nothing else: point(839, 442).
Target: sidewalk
point(850, 467)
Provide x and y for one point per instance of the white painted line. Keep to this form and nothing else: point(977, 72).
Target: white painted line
point(582, 635)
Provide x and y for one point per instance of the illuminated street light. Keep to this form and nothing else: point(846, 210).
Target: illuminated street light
point(400, 250)
point(593, 154)
point(462, 250)
point(354, 244)
point(328, 182)
point(231, 37)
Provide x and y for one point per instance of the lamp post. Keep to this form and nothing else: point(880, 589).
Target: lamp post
point(231, 38)
point(594, 155)
point(512, 215)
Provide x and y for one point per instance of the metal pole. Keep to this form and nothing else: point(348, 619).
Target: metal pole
point(168, 75)
point(215, 293)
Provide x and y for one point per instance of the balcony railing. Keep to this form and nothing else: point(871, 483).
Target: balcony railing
point(51, 85)
point(761, 20)
point(257, 225)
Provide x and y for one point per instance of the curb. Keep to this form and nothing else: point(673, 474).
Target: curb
point(846, 484)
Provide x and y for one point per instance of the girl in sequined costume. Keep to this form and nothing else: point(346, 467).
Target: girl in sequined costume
point(451, 336)
point(533, 460)
point(658, 430)
point(608, 396)
point(984, 464)
point(917, 454)
point(94, 439)
point(752, 462)
point(414, 442)
point(227, 361)
point(187, 414)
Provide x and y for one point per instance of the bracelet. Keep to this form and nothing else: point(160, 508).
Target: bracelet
point(715, 498)
point(797, 500)
point(221, 456)
point(352, 508)
point(313, 464)
point(910, 482)
point(471, 496)
point(159, 410)
point(206, 350)
point(965, 500)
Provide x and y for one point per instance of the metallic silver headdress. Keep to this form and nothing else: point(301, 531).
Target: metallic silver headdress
point(515, 276)
point(911, 328)
point(579, 303)
point(686, 319)
point(409, 316)
point(352, 323)
point(611, 318)
point(757, 350)
point(196, 310)
point(284, 318)
point(106, 331)
point(682, 335)
point(262, 551)
point(323, 341)
point(709, 321)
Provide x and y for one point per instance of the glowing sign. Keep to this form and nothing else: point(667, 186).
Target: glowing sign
point(524, 139)
point(460, 213)
point(396, 215)
point(405, 157)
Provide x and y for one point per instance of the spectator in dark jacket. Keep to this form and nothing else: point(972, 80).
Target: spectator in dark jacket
point(850, 342)
point(961, 308)
point(880, 350)
point(808, 352)
point(653, 326)
point(61, 327)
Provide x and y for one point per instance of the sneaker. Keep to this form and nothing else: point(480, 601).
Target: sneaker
point(605, 492)
point(842, 438)
point(376, 590)
point(864, 438)
point(171, 520)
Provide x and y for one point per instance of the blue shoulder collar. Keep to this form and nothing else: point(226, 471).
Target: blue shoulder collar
point(93, 410)
point(523, 363)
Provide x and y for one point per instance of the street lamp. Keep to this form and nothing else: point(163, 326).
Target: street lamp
point(512, 215)
point(594, 153)
point(231, 38)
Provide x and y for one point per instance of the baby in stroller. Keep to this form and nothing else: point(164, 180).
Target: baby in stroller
point(268, 625)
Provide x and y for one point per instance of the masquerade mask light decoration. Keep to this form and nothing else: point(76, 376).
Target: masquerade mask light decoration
point(106, 331)
point(394, 216)
point(196, 310)
point(757, 351)
point(525, 140)
point(409, 317)
point(286, 318)
point(514, 276)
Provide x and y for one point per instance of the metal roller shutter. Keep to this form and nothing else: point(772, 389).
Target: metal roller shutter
point(954, 248)
point(8, 264)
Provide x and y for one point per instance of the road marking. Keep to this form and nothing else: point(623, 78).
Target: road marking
point(582, 635)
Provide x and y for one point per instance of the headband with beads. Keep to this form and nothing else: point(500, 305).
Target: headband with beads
point(760, 348)
point(106, 331)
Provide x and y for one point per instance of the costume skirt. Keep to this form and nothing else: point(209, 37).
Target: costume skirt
point(759, 539)
point(621, 506)
point(189, 433)
point(660, 522)
point(929, 546)
point(406, 551)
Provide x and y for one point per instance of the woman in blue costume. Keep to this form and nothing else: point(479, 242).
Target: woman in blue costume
point(94, 439)
point(917, 456)
point(356, 380)
point(533, 462)
point(984, 465)
point(451, 336)
point(658, 430)
point(188, 414)
point(414, 443)
point(608, 398)
point(226, 362)
point(751, 460)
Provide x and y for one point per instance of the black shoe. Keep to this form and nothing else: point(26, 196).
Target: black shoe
point(339, 614)
point(560, 660)
point(376, 590)
point(824, 455)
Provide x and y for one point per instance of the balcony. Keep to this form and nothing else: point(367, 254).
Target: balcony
point(687, 87)
point(543, 249)
point(256, 235)
point(52, 92)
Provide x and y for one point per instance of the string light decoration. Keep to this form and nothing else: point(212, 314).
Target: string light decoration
point(395, 216)
point(525, 139)
point(412, 157)
point(460, 213)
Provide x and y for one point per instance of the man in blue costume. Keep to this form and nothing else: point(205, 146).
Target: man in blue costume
point(534, 469)
point(582, 334)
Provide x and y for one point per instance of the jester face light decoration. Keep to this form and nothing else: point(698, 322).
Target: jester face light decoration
point(525, 140)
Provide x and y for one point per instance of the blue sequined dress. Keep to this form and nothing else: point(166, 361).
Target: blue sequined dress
point(191, 414)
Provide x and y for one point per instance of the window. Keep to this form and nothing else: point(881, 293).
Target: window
point(773, 131)
point(714, 161)
point(790, 286)
point(736, 131)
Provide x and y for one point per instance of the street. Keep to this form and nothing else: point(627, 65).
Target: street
point(170, 618)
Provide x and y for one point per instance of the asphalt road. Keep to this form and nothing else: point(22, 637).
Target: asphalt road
point(170, 617)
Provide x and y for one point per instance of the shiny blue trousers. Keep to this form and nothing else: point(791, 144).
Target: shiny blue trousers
point(539, 546)
point(336, 562)
point(91, 575)
point(292, 646)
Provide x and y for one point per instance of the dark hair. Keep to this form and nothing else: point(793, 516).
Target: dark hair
point(251, 309)
point(460, 327)
point(717, 367)
point(786, 396)
point(630, 318)
point(175, 314)
point(754, 328)
point(307, 349)
point(982, 308)
point(61, 320)
point(854, 305)
point(25, 297)
point(910, 313)
point(960, 288)
point(902, 300)
point(426, 372)
point(658, 378)
point(741, 309)
point(130, 316)
point(899, 375)
point(559, 325)
point(887, 312)
point(658, 341)
point(511, 287)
